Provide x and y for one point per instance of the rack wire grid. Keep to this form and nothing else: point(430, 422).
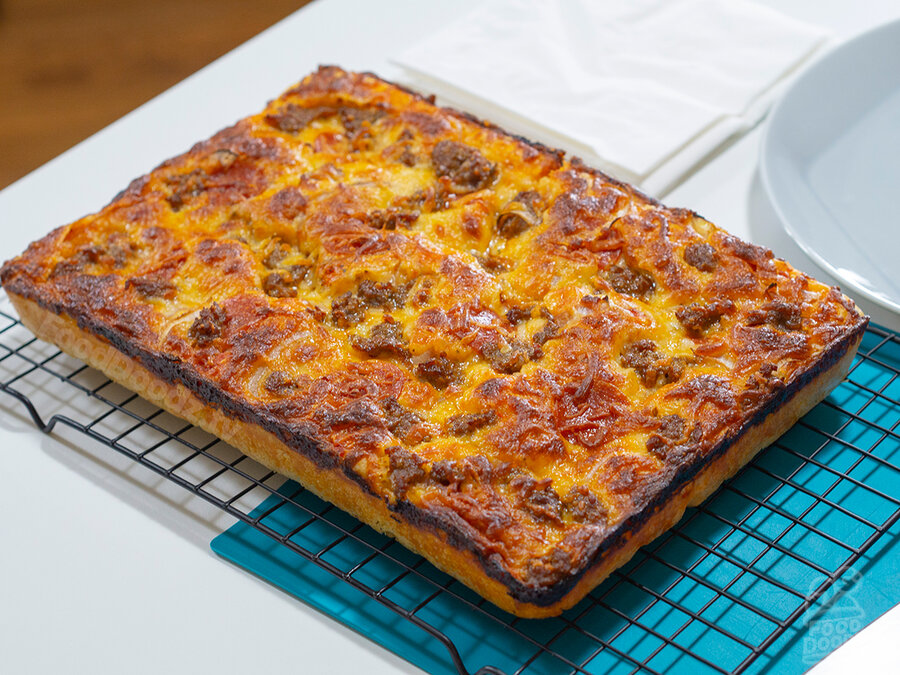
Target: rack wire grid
point(710, 595)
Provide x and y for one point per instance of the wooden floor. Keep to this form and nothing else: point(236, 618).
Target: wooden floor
point(70, 67)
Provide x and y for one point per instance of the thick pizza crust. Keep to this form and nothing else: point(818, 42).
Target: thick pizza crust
point(337, 488)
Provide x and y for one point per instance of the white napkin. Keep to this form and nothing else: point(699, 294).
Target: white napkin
point(645, 89)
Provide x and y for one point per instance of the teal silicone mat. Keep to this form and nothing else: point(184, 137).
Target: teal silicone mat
point(776, 569)
point(784, 563)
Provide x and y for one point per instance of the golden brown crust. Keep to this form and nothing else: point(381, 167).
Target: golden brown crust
point(528, 366)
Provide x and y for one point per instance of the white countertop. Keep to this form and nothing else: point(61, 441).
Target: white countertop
point(106, 568)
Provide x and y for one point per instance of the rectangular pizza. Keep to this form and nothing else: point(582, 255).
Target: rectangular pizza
point(519, 367)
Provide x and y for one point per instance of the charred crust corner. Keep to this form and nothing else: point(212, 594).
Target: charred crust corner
point(604, 542)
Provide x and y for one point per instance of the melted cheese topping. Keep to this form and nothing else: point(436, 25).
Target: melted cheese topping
point(468, 322)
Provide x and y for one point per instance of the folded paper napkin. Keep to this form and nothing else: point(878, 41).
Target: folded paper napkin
point(645, 89)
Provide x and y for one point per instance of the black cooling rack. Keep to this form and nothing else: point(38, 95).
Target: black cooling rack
point(733, 581)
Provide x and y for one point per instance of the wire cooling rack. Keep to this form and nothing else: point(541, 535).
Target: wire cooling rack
point(711, 595)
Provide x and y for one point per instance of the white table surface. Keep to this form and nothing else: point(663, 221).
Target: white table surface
point(105, 568)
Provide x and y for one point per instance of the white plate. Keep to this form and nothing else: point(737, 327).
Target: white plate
point(830, 162)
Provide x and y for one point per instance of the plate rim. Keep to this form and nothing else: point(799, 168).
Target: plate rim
point(766, 152)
